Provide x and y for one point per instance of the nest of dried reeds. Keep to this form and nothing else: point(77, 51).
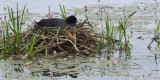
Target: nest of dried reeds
point(63, 41)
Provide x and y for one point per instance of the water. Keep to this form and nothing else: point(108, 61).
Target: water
point(142, 66)
point(41, 6)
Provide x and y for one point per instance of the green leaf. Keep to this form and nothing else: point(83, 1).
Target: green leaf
point(38, 48)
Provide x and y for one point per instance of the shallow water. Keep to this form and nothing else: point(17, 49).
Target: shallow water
point(41, 6)
point(142, 66)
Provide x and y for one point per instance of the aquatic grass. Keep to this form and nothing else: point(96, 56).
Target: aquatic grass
point(120, 30)
point(5, 37)
point(30, 46)
point(12, 30)
point(120, 34)
point(108, 34)
point(109, 31)
point(111, 34)
point(75, 13)
point(123, 25)
point(16, 26)
point(116, 37)
point(4, 43)
point(63, 12)
point(101, 42)
point(156, 31)
point(156, 34)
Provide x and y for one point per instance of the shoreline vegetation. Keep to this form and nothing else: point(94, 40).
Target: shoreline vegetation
point(57, 42)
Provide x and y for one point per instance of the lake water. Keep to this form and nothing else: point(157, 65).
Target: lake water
point(41, 6)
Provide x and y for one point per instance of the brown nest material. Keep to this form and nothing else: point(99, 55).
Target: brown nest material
point(63, 41)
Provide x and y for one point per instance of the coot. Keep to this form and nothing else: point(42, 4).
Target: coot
point(57, 22)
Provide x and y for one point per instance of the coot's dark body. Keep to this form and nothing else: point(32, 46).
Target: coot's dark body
point(56, 22)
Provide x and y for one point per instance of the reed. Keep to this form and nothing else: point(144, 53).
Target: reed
point(123, 25)
point(101, 42)
point(12, 30)
point(63, 12)
point(5, 37)
point(16, 23)
point(156, 31)
point(112, 34)
point(108, 34)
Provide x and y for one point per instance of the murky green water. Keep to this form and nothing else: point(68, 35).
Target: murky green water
point(141, 65)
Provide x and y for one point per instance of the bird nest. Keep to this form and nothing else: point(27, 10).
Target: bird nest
point(62, 41)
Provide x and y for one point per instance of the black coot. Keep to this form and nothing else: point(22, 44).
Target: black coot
point(57, 22)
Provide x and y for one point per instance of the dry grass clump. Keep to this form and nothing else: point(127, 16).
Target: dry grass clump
point(63, 41)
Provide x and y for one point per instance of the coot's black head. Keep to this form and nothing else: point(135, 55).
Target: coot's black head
point(71, 19)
